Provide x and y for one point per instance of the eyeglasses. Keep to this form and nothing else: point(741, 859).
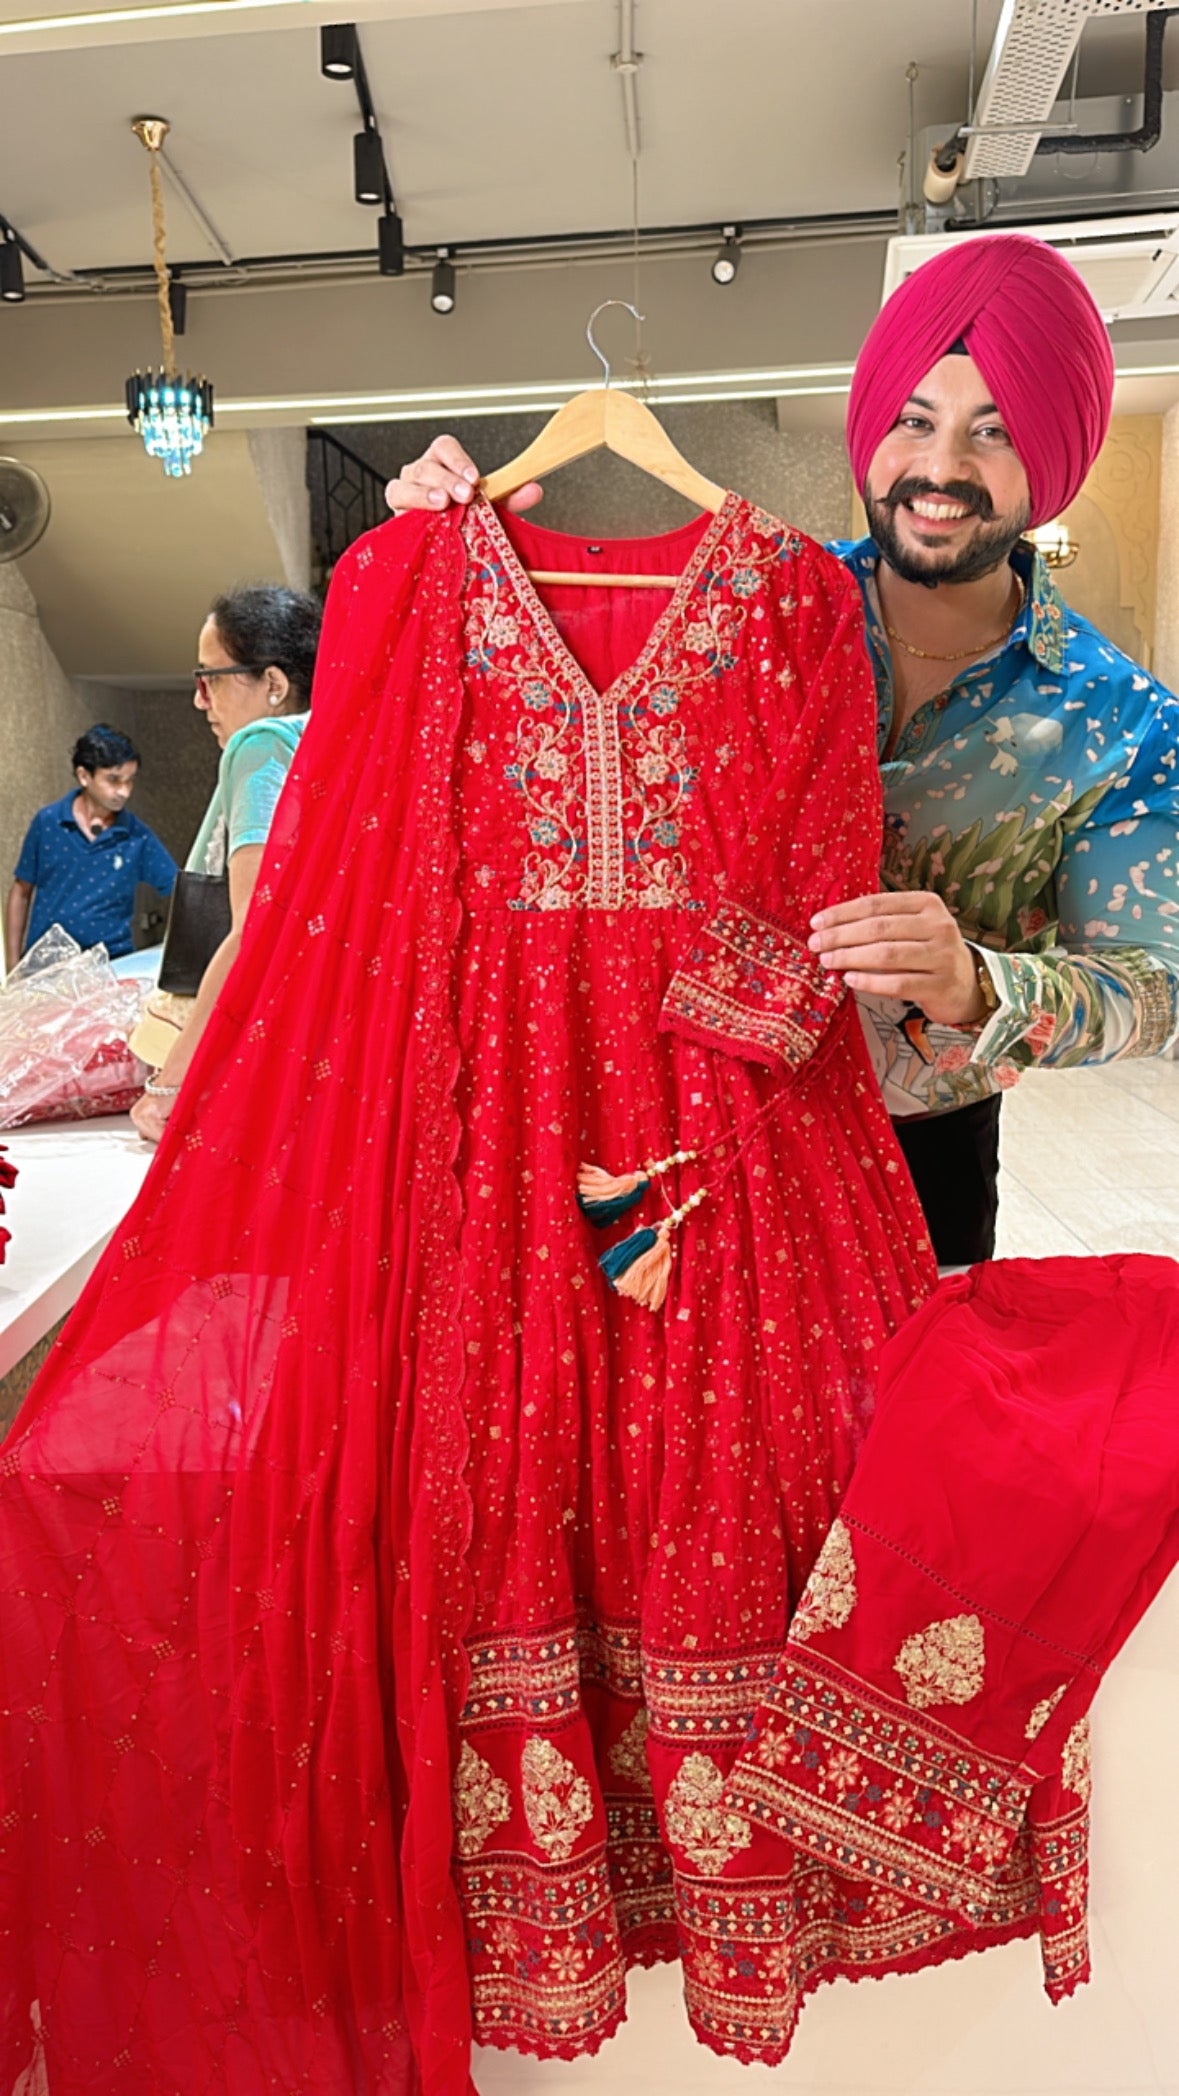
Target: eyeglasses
point(203, 678)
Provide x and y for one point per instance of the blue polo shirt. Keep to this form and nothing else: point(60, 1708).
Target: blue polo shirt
point(87, 885)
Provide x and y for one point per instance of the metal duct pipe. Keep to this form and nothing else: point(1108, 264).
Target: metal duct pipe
point(1150, 130)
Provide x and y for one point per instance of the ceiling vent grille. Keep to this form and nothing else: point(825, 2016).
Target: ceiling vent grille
point(1033, 48)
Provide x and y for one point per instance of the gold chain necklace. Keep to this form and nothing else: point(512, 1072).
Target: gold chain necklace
point(960, 654)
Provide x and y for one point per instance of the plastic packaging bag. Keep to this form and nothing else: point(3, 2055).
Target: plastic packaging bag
point(65, 1019)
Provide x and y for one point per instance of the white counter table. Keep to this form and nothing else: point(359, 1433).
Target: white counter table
point(77, 1180)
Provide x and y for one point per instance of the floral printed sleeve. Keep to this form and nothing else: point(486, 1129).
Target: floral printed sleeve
point(1110, 987)
point(747, 982)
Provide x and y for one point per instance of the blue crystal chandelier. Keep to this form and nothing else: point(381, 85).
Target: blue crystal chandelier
point(173, 414)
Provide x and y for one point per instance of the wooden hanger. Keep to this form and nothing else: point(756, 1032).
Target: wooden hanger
point(603, 418)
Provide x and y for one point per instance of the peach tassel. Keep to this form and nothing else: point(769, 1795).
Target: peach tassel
point(645, 1280)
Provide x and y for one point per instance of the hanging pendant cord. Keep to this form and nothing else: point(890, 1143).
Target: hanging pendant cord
point(160, 264)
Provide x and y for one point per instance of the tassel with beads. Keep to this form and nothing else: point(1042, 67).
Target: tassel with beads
point(640, 1267)
point(605, 1196)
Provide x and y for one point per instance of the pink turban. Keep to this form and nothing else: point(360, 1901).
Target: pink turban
point(1029, 324)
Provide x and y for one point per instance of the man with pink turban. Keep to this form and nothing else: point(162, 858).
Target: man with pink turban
point(1029, 904)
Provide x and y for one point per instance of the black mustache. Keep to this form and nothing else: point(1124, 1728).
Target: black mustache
point(971, 497)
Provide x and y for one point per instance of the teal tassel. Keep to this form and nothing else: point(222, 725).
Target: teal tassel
point(615, 1262)
point(605, 1196)
point(601, 1213)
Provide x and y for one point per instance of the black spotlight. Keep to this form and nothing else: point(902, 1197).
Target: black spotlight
point(178, 305)
point(12, 275)
point(337, 50)
point(368, 164)
point(442, 283)
point(728, 260)
point(390, 246)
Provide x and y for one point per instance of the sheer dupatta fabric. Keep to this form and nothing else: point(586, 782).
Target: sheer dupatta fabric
point(224, 1783)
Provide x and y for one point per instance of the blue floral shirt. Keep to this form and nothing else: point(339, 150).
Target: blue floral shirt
point(1038, 795)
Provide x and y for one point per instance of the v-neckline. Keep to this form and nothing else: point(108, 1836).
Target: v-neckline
point(529, 597)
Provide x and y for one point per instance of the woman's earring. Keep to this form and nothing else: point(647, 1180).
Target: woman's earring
point(276, 698)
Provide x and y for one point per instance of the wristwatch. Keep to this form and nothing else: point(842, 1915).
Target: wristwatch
point(986, 983)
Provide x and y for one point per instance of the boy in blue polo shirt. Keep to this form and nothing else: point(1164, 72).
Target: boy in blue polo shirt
point(84, 855)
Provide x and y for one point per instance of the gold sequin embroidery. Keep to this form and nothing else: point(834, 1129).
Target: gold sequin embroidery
point(481, 1802)
point(557, 1801)
point(707, 1832)
point(830, 1593)
point(943, 1663)
point(1042, 1712)
point(628, 1756)
point(1074, 1762)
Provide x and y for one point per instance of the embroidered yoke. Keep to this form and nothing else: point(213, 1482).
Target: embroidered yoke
point(385, 1600)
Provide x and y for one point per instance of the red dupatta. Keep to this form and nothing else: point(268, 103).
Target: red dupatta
point(268, 1356)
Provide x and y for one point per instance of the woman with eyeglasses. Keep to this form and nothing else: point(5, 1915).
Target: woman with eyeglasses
point(256, 659)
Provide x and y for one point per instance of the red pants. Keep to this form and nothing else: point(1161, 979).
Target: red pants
point(1016, 1508)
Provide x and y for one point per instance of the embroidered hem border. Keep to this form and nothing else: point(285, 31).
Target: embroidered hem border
point(843, 1774)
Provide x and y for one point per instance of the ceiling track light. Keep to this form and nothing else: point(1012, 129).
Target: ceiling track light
point(12, 275)
point(727, 260)
point(390, 245)
point(442, 283)
point(341, 58)
point(368, 166)
point(338, 50)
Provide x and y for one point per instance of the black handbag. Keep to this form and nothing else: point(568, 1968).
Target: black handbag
point(199, 919)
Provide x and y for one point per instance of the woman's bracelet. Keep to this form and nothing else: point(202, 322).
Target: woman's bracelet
point(161, 1091)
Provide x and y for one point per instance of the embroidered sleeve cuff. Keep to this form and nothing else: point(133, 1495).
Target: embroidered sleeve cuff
point(752, 989)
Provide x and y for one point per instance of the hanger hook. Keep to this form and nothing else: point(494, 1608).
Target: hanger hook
point(589, 330)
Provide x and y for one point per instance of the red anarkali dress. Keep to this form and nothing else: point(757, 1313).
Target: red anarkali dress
point(385, 1599)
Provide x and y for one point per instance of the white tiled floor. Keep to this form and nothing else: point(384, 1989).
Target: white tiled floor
point(1091, 1164)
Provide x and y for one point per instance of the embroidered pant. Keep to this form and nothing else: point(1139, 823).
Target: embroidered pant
point(924, 1746)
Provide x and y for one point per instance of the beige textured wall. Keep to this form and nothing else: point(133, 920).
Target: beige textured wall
point(1166, 631)
point(1115, 521)
point(41, 717)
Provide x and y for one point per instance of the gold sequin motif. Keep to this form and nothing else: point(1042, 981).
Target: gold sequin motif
point(943, 1663)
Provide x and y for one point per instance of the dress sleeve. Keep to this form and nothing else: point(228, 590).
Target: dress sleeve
point(1110, 988)
point(747, 982)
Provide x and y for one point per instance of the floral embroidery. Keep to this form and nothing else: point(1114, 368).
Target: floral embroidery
point(977, 1836)
point(830, 1593)
point(481, 1802)
point(841, 1771)
point(1042, 1712)
point(558, 1802)
point(1074, 1762)
point(628, 1756)
point(897, 1811)
point(944, 1663)
point(698, 1823)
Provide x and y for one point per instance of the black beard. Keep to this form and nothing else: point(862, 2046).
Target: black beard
point(992, 546)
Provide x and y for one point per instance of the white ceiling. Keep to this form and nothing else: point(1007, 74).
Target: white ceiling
point(497, 121)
